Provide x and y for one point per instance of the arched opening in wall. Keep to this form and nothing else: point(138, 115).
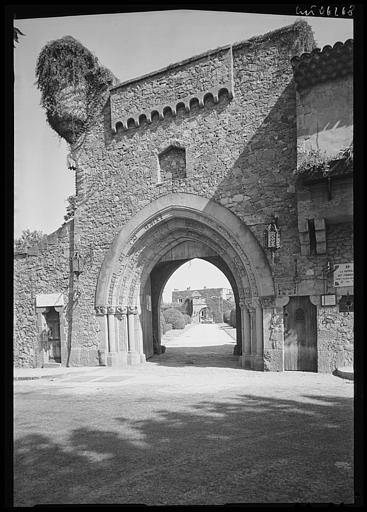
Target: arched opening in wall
point(170, 231)
point(205, 315)
point(193, 309)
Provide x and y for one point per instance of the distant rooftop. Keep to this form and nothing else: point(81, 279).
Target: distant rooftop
point(321, 65)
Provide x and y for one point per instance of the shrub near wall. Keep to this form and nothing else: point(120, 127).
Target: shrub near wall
point(164, 328)
point(227, 317)
point(174, 317)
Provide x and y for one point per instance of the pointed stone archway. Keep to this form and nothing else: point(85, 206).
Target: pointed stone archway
point(130, 286)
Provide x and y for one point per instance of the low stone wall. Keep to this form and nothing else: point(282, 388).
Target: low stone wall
point(45, 268)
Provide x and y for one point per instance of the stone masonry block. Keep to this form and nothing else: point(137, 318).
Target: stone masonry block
point(302, 225)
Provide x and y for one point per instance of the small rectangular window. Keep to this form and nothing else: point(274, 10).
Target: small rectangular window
point(172, 163)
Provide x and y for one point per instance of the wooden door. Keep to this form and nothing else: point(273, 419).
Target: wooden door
point(300, 346)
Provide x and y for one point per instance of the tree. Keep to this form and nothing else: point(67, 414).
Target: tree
point(16, 33)
point(174, 317)
point(27, 239)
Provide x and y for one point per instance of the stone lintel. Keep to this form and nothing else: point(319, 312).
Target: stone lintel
point(49, 300)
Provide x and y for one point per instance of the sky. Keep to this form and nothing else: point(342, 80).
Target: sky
point(130, 45)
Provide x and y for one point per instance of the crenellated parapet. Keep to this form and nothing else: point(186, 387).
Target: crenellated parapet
point(168, 91)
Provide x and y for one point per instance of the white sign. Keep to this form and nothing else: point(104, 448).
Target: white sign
point(328, 300)
point(49, 299)
point(343, 275)
point(149, 303)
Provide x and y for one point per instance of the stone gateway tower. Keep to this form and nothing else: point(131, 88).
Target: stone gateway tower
point(199, 160)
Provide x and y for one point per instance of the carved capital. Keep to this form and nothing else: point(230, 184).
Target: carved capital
point(132, 310)
point(111, 310)
point(268, 302)
point(101, 310)
point(121, 310)
point(250, 305)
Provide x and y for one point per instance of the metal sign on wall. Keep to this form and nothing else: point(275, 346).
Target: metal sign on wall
point(343, 274)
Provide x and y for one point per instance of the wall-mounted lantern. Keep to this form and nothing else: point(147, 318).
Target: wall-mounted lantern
point(79, 263)
point(327, 270)
point(272, 236)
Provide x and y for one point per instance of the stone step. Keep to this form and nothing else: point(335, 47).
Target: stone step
point(346, 372)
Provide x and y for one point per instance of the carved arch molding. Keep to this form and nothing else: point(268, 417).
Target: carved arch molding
point(167, 222)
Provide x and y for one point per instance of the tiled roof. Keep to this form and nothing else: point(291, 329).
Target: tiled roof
point(322, 65)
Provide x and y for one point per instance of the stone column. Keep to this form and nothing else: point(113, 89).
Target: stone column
point(139, 338)
point(110, 353)
point(250, 359)
point(121, 335)
point(246, 335)
point(105, 325)
point(111, 329)
point(122, 338)
point(133, 353)
point(112, 349)
point(101, 313)
point(259, 358)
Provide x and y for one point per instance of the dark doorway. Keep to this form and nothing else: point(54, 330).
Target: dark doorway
point(300, 340)
point(53, 331)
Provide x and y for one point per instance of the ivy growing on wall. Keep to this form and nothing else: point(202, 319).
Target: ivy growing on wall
point(315, 161)
point(72, 83)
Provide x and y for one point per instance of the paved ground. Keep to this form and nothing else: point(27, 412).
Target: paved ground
point(188, 427)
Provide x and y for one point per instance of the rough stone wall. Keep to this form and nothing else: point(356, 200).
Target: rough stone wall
point(339, 239)
point(171, 86)
point(335, 339)
point(240, 152)
point(46, 269)
point(273, 328)
point(314, 200)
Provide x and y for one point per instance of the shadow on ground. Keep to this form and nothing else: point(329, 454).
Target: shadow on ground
point(243, 449)
point(181, 352)
point(216, 356)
